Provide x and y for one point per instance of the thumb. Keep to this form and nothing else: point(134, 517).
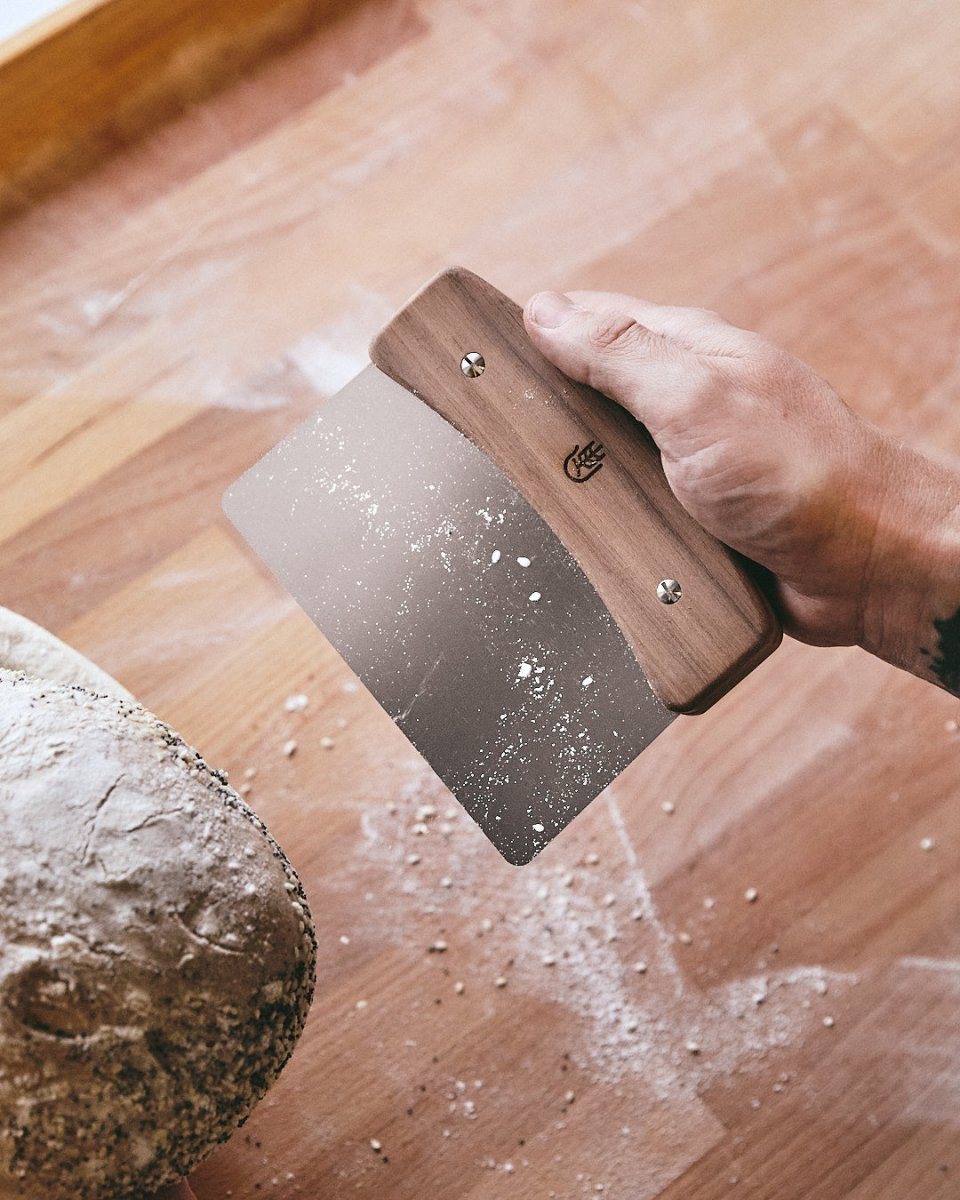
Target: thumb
point(609, 350)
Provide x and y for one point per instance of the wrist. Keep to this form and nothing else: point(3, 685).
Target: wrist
point(911, 600)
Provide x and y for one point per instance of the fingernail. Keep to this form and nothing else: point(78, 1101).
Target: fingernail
point(551, 309)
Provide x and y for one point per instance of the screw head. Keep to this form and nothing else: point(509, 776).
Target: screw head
point(472, 364)
point(669, 591)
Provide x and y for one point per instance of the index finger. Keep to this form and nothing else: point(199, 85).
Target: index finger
point(700, 330)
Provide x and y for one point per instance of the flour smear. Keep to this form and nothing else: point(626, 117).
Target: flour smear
point(564, 930)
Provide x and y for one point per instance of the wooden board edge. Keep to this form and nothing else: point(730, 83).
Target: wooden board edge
point(42, 30)
point(91, 77)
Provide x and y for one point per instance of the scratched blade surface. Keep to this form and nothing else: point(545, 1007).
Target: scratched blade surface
point(456, 604)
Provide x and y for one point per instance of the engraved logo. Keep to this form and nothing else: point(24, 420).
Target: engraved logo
point(582, 464)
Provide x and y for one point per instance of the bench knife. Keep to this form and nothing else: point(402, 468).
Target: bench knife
point(494, 550)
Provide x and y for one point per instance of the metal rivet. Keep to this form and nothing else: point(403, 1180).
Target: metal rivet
point(472, 364)
point(669, 591)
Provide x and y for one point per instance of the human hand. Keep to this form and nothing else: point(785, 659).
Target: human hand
point(853, 525)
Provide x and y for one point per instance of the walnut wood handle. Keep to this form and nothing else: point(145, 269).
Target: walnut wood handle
point(620, 521)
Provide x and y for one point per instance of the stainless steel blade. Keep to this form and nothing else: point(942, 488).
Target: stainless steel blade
point(456, 604)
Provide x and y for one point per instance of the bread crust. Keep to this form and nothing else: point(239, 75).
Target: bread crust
point(157, 954)
point(27, 647)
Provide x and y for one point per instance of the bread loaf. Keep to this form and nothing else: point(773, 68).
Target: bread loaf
point(157, 956)
point(28, 647)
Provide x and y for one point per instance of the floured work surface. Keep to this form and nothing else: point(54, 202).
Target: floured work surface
point(171, 318)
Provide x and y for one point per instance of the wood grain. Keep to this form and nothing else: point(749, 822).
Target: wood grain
point(169, 316)
point(96, 73)
point(622, 523)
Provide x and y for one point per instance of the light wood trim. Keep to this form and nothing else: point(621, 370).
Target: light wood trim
point(90, 77)
point(38, 32)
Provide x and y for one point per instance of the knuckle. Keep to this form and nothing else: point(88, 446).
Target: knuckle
point(744, 375)
point(702, 393)
point(764, 362)
point(614, 333)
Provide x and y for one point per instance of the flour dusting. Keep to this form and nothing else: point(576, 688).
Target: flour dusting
point(562, 930)
point(325, 363)
point(331, 356)
point(318, 364)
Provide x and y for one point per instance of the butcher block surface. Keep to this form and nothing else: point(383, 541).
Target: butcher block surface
point(616, 1019)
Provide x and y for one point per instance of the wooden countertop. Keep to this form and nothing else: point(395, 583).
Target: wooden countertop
point(168, 317)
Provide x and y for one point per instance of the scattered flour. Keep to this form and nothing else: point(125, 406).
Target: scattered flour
point(325, 364)
point(562, 933)
point(627, 1013)
point(948, 966)
point(330, 357)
